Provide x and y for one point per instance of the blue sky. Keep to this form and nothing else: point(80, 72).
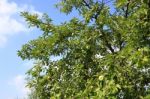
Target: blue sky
point(13, 34)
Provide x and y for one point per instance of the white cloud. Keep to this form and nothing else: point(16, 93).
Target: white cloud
point(10, 21)
point(19, 84)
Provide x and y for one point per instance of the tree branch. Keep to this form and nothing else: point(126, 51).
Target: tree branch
point(107, 43)
point(95, 17)
point(127, 9)
point(86, 4)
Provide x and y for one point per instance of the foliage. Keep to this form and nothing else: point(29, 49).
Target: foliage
point(32, 94)
point(104, 55)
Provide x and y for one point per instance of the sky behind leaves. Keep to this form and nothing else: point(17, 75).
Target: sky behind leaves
point(14, 32)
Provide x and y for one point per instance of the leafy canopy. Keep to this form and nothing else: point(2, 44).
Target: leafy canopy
point(104, 55)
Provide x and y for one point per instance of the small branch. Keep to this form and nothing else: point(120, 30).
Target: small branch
point(127, 9)
point(95, 17)
point(86, 4)
point(107, 43)
point(148, 17)
point(99, 11)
